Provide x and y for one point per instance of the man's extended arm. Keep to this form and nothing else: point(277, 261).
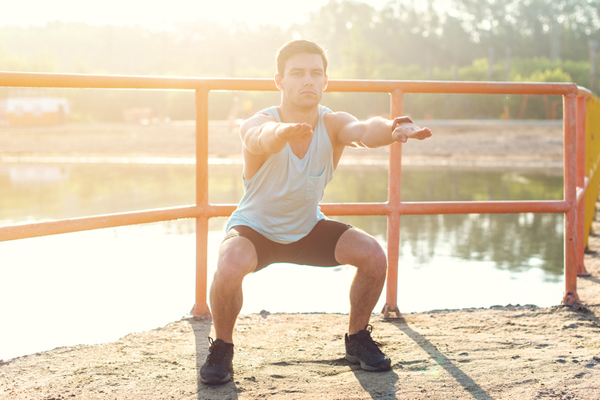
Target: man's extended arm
point(261, 135)
point(376, 132)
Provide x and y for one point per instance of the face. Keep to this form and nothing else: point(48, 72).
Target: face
point(303, 80)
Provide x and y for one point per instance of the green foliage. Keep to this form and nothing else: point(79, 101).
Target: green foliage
point(405, 40)
point(549, 75)
point(42, 60)
point(479, 70)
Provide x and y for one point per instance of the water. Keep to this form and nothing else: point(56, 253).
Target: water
point(98, 286)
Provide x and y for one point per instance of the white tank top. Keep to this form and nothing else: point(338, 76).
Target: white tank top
point(281, 201)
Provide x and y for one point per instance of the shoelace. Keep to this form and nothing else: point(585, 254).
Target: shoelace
point(369, 343)
point(216, 352)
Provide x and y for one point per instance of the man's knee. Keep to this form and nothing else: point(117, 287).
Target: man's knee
point(376, 259)
point(357, 248)
point(237, 258)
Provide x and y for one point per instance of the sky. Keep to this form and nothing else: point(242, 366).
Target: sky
point(164, 14)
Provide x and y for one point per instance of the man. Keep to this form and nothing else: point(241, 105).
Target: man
point(290, 154)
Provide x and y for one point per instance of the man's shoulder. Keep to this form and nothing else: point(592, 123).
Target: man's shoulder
point(337, 120)
point(271, 111)
point(256, 120)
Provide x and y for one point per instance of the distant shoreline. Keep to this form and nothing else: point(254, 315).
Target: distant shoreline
point(458, 143)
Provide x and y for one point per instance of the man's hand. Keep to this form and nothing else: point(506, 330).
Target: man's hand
point(408, 130)
point(294, 133)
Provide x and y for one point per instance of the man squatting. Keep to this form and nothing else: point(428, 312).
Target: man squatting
point(290, 154)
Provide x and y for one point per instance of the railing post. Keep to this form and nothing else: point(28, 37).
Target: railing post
point(393, 225)
point(570, 192)
point(201, 307)
point(581, 175)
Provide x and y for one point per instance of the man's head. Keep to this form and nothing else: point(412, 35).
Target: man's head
point(301, 73)
point(298, 47)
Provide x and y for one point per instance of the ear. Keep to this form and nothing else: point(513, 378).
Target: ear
point(325, 81)
point(278, 82)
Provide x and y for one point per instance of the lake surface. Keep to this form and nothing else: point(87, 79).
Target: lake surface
point(98, 286)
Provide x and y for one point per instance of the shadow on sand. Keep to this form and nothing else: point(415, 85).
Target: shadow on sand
point(201, 327)
point(463, 379)
point(589, 278)
point(377, 389)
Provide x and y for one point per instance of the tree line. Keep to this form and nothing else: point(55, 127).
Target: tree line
point(470, 40)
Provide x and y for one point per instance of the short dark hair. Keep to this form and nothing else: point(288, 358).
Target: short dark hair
point(299, 47)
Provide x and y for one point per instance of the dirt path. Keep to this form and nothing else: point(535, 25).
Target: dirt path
point(511, 352)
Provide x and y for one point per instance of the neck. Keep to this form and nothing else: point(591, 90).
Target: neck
point(293, 114)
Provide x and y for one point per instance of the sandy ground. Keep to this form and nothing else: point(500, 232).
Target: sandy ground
point(503, 352)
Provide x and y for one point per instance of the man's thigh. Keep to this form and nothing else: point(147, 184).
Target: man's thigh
point(355, 246)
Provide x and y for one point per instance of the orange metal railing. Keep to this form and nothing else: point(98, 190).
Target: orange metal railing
point(574, 100)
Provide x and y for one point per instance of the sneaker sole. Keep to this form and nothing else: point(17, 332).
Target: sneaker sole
point(355, 360)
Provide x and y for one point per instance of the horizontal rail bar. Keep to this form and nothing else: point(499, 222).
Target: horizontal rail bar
point(96, 222)
point(356, 209)
point(23, 79)
point(427, 207)
point(450, 87)
point(224, 210)
point(484, 207)
point(89, 81)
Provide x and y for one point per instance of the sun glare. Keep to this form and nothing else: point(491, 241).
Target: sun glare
point(163, 15)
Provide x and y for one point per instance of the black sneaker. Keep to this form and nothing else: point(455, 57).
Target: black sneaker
point(218, 367)
point(362, 349)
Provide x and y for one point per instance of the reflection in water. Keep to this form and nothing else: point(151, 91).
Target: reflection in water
point(447, 261)
point(92, 189)
point(513, 241)
point(42, 192)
